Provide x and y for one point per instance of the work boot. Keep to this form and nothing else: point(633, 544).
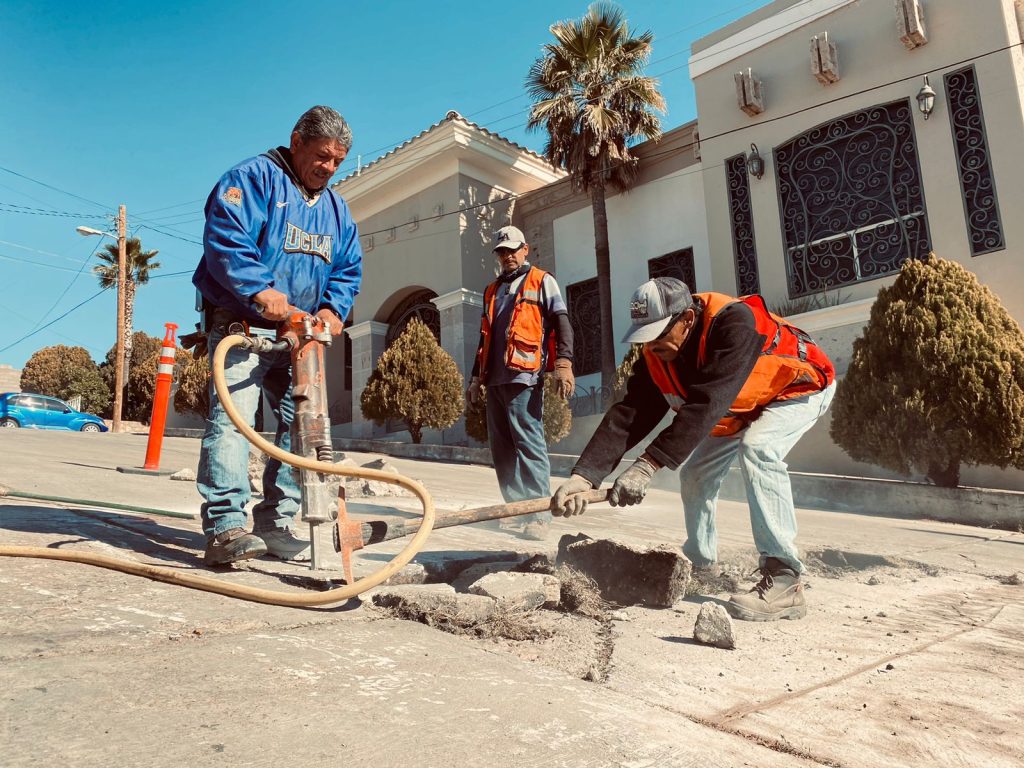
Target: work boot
point(778, 595)
point(231, 546)
point(283, 544)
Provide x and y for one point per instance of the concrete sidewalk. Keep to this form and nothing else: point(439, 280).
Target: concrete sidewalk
point(911, 653)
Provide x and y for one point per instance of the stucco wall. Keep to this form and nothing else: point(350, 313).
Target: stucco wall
point(870, 54)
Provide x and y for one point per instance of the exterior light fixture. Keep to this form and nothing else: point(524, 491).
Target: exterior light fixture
point(755, 163)
point(926, 99)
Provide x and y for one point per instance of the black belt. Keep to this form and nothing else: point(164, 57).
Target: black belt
point(220, 315)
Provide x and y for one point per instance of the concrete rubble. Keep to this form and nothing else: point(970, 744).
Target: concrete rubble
point(714, 626)
point(519, 591)
point(628, 575)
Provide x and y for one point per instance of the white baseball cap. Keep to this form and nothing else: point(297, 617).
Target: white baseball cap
point(509, 237)
point(653, 306)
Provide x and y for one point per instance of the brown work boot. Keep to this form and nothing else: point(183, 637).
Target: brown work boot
point(231, 546)
point(778, 595)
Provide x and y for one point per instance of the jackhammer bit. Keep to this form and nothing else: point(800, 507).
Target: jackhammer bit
point(307, 336)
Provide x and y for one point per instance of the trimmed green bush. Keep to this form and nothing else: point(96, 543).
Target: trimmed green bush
point(416, 381)
point(937, 379)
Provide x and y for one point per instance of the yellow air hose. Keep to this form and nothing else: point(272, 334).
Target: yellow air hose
point(208, 584)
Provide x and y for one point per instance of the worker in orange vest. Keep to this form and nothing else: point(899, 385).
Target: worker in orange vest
point(524, 331)
point(744, 384)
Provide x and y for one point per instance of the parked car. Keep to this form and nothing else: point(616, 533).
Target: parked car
point(24, 409)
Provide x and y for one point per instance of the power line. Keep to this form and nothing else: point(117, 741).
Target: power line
point(46, 212)
point(85, 261)
point(36, 263)
point(43, 328)
point(55, 189)
point(169, 207)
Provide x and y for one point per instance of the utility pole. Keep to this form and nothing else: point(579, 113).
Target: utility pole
point(122, 257)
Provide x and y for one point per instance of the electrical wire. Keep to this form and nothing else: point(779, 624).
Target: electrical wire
point(43, 328)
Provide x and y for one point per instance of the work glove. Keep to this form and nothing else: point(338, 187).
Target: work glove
point(568, 499)
point(563, 375)
point(631, 486)
point(475, 390)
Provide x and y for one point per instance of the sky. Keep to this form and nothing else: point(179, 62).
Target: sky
point(147, 104)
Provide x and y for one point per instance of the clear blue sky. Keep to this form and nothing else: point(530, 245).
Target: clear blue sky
point(147, 104)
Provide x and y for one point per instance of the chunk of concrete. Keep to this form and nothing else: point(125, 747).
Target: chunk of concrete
point(628, 575)
point(411, 573)
point(416, 598)
point(475, 572)
point(434, 604)
point(518, 591)
point(714, 627)
point(187, 475)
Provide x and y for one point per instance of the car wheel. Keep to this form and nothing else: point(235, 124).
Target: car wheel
point(9, 424)
point(90, 428)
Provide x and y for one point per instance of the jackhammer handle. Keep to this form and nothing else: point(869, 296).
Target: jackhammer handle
point(378, 530)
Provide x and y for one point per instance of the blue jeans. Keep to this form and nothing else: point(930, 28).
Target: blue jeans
point(223, 477)
point(515, 431)
point(761, 449)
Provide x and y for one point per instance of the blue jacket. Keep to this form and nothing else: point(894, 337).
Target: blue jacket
point(261, 233)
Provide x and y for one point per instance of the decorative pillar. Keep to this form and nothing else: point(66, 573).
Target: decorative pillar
point(367, 347)
point(460, 332)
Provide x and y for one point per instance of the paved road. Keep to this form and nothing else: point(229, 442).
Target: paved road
point(911, 653)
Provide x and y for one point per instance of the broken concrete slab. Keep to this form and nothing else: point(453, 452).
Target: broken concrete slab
point(412, 573)
point(518, 591)
point(625, 574)
point(471, 575)
point(434, 604)
point(187, 475)
point(714, 626)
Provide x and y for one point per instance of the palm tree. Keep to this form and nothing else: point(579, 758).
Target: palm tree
point(593, 102)
point(138, 265)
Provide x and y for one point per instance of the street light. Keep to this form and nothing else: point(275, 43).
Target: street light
point(119, 348)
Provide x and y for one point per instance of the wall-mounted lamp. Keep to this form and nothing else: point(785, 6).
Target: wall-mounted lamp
point(926, 99)
point(755, 163)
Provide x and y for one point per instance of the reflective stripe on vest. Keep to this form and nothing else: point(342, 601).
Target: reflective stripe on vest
point(790, 365)
point(524, 351)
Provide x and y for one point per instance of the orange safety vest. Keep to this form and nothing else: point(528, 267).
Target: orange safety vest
point(790, 365)
point(525, 328)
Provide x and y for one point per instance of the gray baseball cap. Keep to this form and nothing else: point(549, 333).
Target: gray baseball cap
point(509, 237)
point(653, 307)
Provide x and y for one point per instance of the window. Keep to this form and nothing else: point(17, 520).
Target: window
point(677, 264)
point(585, 317)
point(851, 199)
point(741, 220)
point(974, 163)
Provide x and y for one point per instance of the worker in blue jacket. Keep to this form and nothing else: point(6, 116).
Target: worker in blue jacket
point(275, 237)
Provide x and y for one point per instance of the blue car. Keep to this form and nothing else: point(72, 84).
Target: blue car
point(24, 409)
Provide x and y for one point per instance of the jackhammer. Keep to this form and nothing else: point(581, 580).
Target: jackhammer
point(306, 336)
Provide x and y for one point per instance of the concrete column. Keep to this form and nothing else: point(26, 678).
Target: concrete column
point(367, 347)
point(460, 331)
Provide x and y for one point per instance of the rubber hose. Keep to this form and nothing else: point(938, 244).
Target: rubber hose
point(270, 597)
point(12, 494)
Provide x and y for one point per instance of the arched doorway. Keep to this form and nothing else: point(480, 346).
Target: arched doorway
point(418, 305)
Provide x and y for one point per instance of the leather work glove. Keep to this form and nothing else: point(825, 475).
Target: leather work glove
point(567, 500)
point(563, 375)
point(631, 486)
point(474, 391)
